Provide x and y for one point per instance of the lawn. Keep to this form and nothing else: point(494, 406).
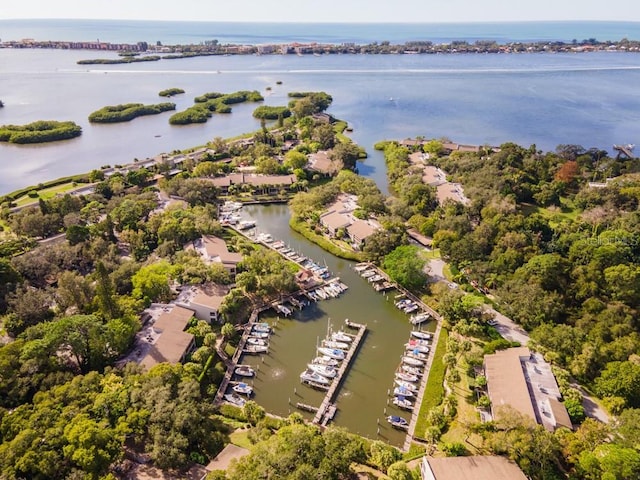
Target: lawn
point(434, 392)
point(241, 439)
point(566, 211)
point(46, 193)
point(431, 254)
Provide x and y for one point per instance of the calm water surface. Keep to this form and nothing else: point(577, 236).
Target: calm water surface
point(364, 395)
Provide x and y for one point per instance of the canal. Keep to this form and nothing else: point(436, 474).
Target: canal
point(363, 401)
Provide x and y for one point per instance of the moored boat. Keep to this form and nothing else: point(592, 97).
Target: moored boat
point(402, 391)
point(324, 370)
point(417, 348)
point(325, 360)
point(398, 422)
point(244, 371)
point(421, 335)
point(419, 318)
point(407, 385)
point(261, 327)
point(403, 402)
point(416, 354)
point(407, 377)
point(246, 224)
point(243, 388)
point(259, 334)
point(256, 341)
point(313, 377)
point(412, 370)
point(332, 344)
point(341, 337)
point(255, 348)
point(332, 353)
point(235, 399)
point(414, 362)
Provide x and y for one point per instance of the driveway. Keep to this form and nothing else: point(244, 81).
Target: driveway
point(435, 270)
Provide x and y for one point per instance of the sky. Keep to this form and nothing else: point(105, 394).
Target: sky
point(327, 10)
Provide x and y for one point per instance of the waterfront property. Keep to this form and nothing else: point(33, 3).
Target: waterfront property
point(269, 184)
point(339, 217)
point(522, 380)
point(204, 300)
point(214, 249)
point(482, 467)
point(166, 339)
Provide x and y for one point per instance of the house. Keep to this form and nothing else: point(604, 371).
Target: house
point(359, 231)
point(215, 250)
point(204, 300)
point(323, 117)
point(171, 343)
point(485, 467)
point(334, 221)
point(272, 183)
point(522, 380)
point(321, 162)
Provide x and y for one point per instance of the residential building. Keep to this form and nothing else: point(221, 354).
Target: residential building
point(204, 300)
point(522, 380)
point(359, 231)
point(334, 221)
point(215, 249)
point(170, 343)
point(322, 163)
point(486, 467)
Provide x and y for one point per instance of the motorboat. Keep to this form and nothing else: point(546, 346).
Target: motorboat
point(259, 335)
point(419, 318)
point(286, 311)
point(421, 335)
point(341, 337)
point(255, 348)
point(416, 354)
point(310, 376)
point(324, 370)
point(230, 206)
point(410, 308)
point(412, 370)
point(265, 238)
point(321, 293)
point(256, 341)
point(332, 344)
point(403, 402)
point(417, 348)
point(414, 362)
point(325, 360)
point(261, 327)
point(244, 371)
point(361, 267)
point(416, 341)
point(407, 385)
point(402, 391)
point(246, 224)
point(402, 303)
point(368, 273)
point(332, 353)
point(235, 399)
point(407, 377)
point(398, 422)
point(243, 388)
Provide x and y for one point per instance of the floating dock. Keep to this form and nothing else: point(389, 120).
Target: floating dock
point(327, 409)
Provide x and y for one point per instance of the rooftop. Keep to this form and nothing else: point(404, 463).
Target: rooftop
point(470, 468)
point(216, 249)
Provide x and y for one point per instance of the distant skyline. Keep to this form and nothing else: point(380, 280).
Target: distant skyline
point(327, 10)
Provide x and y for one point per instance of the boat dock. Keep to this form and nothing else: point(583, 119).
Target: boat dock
point(327, 409)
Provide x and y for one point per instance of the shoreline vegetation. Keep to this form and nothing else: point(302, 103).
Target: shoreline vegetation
point(214, 102)
point(41, 131)
point(129, 52)
point(128, 111)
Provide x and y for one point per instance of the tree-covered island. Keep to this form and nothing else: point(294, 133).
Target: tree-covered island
point(128, 111)
point(213, 102)
point(41, 131)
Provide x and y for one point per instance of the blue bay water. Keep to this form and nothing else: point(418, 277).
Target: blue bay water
point(591, 99)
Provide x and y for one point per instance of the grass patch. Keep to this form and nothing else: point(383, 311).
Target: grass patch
point(446, 271)
point(241, 439)
point(230, 350)
point(434, 391)
point(431, 254)
point(46, 194)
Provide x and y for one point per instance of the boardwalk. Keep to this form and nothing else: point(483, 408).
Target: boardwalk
point(327, 409)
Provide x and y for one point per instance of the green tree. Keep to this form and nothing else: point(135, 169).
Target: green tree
point(405, 266)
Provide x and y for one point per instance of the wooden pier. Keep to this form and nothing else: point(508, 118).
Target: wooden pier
point(327, 409)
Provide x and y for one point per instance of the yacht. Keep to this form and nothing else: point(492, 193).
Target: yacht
point(414, 362)
point(332, 353)
point(407, 377)
point(235, 399)
point(244, 371)
point(310, 376)
point(416, 347)
point(417, 371)
point(403, 402)
point(246, 224)
point(398, 422)
point(325, 360)
point(324, 370)
point(256, 341)
point(407, 385)
point(402, 391)
point(421, 335)
point(243, 388)
point(341, 337)
point(332, 344)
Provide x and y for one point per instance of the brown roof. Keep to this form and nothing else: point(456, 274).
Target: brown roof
point(360, 229)
point(257, 180)
point(173, 342)
point(560, 413)
point(210, 297)
point(506, 383)
point(334, 220)
point(433, 175)
point(321, 162)
point(216, 248)
point(473, 468)
point(469, 148)
point(418, 237)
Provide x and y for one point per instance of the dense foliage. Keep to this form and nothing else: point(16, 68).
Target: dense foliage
point(127, 112)
point(114, 61)
point(39, 132)
point(271, 113)
point(170, 92)
point(213, 102)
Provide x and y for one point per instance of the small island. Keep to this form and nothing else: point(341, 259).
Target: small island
point(41, 131)
point(113, 61)
point(128, 111)
point(268, 112)
point(213, 102)
point(170, 92)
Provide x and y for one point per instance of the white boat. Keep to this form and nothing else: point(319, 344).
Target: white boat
point(407, 377)
point(397, 422)
point(265, 238)
point(256, 341)
point(286, 311)
point(407, 385)
point(230, 206)
point(416, 354)
point(412, 370)
point(414, 362)
point(324, 370)
point(259, 334)
point(410, 308)
point(255, 348)
point(361, 267)
point(402, 303)
point(341, 337)
point(313, 377)
point(368, 273)
point(235, 399)
point(246, 224)
point(324, 360)
point(244, 371)
point(403, 402)
point(332, 344)
point(419, 318)
point(321, 293)
point(261, 327)
point(401, 391)
point(416, 347)
point(243, 388)
point(332, 353)
point(421, 335)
